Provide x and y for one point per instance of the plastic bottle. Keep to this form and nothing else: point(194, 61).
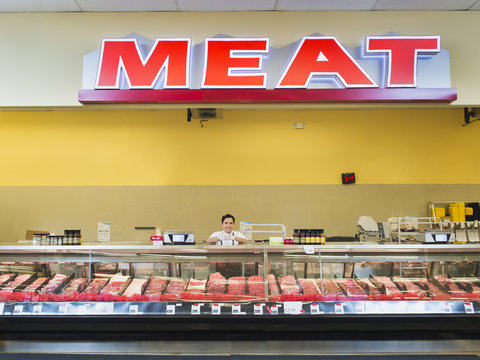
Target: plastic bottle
point(323, 239)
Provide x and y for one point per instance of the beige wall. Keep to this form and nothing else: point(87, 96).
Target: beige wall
point(199, 208)
point(42, 54)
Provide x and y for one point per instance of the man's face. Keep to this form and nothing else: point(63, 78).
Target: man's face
point(228, 225)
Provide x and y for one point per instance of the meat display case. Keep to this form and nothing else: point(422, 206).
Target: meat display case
point(142, 290)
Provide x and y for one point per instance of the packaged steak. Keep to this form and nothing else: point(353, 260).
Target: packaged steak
point(95, 286)
point(136, 287)
point(116, 285)
point(351, 288)
point(272, 285)
point(75, 286)
point(388, 285)
point(156, 286)
point(54, 284)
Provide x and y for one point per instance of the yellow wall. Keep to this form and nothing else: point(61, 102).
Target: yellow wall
point(69, 148)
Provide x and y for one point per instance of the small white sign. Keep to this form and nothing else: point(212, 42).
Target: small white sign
point(216, 309)
point(104, 308)
point(274, 309)
point(18, 310)
point(37, 309)
point(133, 309)
point(469, 308)
point(314, 309)
point(447, 307)
point(309, 249)
point(258, 309)
point(236, 309)
point(103, 231)
point(196, 309)
point(170, 310)
point(292, 307)
point(339, 308)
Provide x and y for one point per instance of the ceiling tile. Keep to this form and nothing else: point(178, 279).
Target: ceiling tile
point(127, 5)
point(306, 5)
point(225, 5)
point(424, 4)
point(38, 5)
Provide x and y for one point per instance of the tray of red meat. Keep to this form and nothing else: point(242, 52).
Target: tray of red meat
point(156, 286)
point(352, 289)
point(217, 284)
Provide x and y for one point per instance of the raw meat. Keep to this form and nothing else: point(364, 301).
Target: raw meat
point(309, 286)
point(95, 286)
point(450, 285)
point(409, 286)
point(54, 284)
point(329, 287)
point(388, 284)
point(6, 277)
point(156, 286)
point(76, 285)
point(256, 285)
point(196, 286)
point(135, 287)
point(272, 285)
point(175, 287)
point(116, 285)
point(19, 280)
point(368, 287)
point(217, 284)
point(36, 284)
point(237, 285)
point(351, 287)
point(289, 285)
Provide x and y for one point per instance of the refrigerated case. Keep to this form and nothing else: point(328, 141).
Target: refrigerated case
point(301, 290)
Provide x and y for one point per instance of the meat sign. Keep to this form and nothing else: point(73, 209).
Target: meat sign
point(387, 62)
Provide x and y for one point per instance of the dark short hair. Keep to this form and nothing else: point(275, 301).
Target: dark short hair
point(226, 216)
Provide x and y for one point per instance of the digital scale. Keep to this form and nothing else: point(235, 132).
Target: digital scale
point(436, 237)
point(178, 237)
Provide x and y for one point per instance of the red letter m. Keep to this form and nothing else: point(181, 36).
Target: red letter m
point(171, 55)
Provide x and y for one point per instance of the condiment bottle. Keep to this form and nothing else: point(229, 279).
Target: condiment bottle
point(322, 237)
point(296, 237)
point(302, 236)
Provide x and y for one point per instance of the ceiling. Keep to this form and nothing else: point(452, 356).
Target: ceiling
point(234, 5)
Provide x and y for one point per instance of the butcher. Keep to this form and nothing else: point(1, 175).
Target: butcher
point(227, 236)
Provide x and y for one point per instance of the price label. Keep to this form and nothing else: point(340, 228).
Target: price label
point(314, 309)
point(104, 308)
point(359, 307)
point(236, 309)
point(196, 309)
point(469, 308)
point(133, 309)
point(258, 309)
point(339, 308)
point(447, 307)
point(37, 309)
point(2, 307)
point(62, 309)
point(18, 310)
point(216, 309)
point(274, 309)
point(170, 310)
point(292, 307)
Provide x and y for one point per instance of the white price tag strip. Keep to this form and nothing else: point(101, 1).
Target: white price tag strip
point(18, 310)
point(339, 308)
point(2, 307)
point(170, 310)
point(62, 309)
point(469, 308)
point(314, 309)
point(274, 309)
point(82, 309)
point(37, 309)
